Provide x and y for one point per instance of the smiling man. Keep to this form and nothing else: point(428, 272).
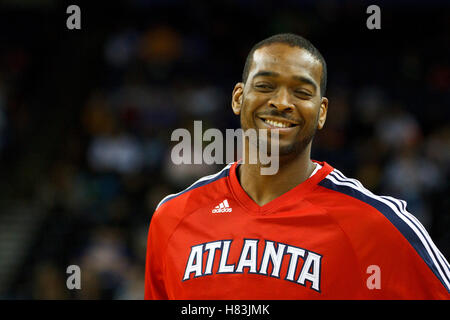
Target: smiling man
point(307, 232)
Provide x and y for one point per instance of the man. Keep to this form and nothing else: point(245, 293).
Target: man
point(307, 232)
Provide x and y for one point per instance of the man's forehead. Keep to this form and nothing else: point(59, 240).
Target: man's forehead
point(280, 55)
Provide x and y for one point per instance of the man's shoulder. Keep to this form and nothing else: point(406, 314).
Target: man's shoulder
point(386, 219)
point(355, 207)
point(192, 197)
point(350, 192)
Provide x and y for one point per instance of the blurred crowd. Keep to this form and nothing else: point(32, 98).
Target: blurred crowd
point(94, 159)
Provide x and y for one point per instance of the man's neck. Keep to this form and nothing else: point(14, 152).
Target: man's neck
point(265, 188)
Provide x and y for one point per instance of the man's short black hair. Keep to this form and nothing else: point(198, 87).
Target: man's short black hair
point(292, 40)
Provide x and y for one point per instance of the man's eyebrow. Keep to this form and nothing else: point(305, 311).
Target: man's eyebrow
point(303, 79)
point(264, 73)
point(306, 80)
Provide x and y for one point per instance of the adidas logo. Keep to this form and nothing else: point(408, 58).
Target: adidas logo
point(222, 207)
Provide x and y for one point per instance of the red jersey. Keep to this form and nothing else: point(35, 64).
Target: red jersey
point(327, 238)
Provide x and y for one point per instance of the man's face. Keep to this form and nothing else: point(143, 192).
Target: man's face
point(282, 93)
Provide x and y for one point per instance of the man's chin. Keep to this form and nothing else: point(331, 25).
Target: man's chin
point(291, 150)
point(284, 150)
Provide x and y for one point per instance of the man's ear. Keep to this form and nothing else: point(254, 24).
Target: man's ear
point(322, 113)
point(236, 100)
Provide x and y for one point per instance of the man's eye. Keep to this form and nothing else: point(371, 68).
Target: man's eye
point(263, 86)
point(303, 94)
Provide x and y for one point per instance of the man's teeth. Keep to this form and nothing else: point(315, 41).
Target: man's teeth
point(277, 123)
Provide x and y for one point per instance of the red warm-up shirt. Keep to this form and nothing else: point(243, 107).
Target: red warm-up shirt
point(327, 238)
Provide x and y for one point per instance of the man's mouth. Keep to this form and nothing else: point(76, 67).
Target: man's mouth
point(278, 123)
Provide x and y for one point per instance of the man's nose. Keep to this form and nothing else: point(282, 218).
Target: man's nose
point(281, 101)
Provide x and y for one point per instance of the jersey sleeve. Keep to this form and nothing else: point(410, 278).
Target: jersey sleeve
point(154, 265)
point(163, 222)
point(397, 257)
point(422, 271)
point(406, 274)
point(411, 266)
